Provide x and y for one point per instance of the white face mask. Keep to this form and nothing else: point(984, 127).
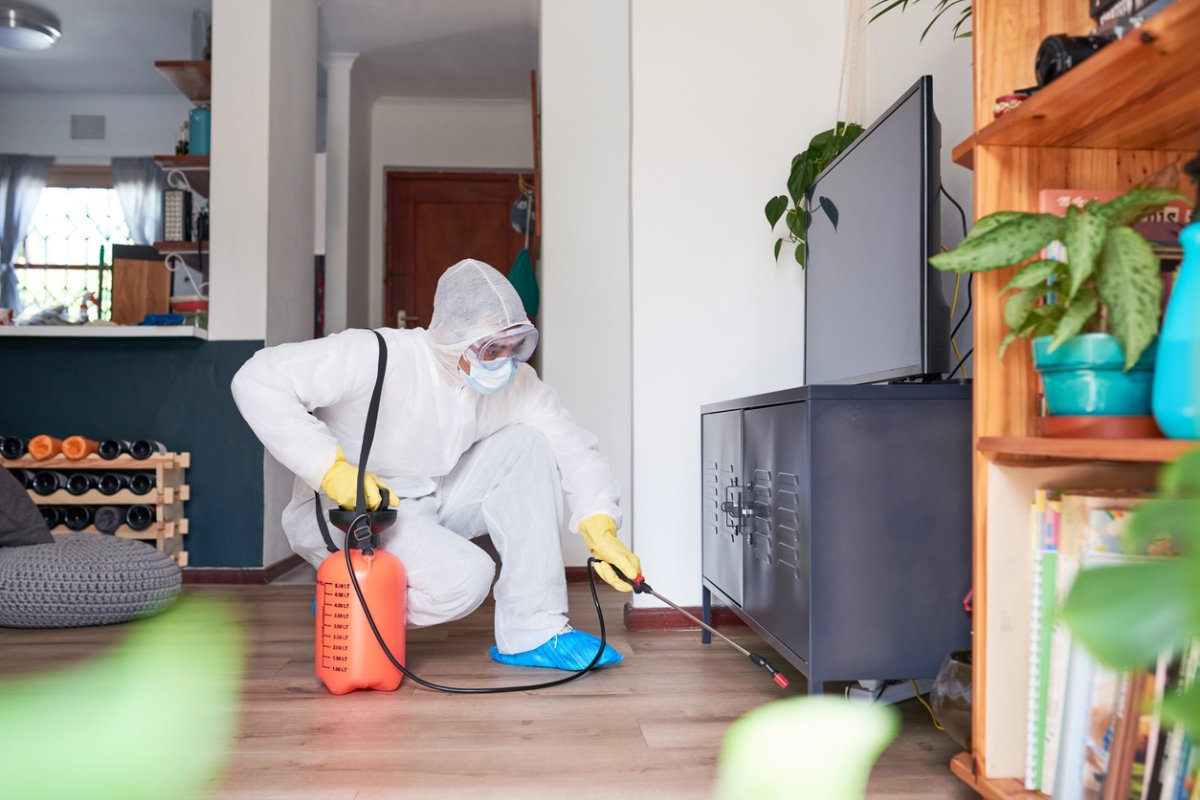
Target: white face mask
point(490, 381)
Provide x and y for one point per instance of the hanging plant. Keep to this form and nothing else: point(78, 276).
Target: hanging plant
point(806, 166)
point(961, 8)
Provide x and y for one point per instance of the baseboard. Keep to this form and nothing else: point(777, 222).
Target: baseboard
point(236, 575)
point(668, 619)
point(577, 574)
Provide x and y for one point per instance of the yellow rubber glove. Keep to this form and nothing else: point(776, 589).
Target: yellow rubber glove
point(599, 531)
point(341, 484)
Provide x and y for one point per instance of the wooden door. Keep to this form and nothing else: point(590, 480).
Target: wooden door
point(435, 220)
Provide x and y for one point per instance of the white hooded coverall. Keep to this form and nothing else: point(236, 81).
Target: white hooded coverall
point(462, 464)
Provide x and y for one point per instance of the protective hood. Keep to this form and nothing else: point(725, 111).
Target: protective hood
point(472, 301)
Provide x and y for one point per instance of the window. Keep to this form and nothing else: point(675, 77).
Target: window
point(66, 257)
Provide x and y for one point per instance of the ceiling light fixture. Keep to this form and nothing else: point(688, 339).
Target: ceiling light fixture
point(28, 28)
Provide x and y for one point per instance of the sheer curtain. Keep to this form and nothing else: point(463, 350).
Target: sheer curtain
point(22, 179)
point(139, 183)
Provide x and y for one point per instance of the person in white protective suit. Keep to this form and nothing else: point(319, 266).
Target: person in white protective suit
point(469, 441)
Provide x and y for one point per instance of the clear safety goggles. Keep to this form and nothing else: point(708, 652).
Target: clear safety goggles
point(516, 343)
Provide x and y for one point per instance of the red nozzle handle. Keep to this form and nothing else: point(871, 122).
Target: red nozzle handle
point(639, 583)
point(779, 678)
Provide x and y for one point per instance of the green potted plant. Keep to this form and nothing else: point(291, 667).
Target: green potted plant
point(806, 166)
point(1093, 316)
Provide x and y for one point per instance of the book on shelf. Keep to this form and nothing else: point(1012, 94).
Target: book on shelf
point(1063, 736)
point(1094, 733)
point(1161, 228)
point(1044, 517)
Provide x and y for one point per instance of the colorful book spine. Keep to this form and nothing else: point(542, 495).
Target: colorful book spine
point(1068, 700)
point(1043, 522)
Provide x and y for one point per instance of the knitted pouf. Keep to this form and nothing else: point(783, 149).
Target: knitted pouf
point(84, 579)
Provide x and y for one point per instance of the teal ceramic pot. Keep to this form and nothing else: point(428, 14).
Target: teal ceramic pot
point(1177, 379)
point(1084, 377)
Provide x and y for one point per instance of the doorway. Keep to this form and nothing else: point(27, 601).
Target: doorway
point(436, 219)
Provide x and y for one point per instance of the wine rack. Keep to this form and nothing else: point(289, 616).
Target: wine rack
point(167, 497)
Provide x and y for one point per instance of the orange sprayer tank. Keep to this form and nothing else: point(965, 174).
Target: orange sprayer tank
point(348, 656)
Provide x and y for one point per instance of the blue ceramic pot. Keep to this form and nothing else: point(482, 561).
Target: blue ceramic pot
point(1085, 377)
point(1177, 379)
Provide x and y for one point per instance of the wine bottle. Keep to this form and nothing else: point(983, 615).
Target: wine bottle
point(111, 448)
point(78, 517)
point(141, 482)
point(139, 517)
point(77, 447)
point(144, 448)
point(25, 476)
point(12, 447)
point(53, 516)
point(44, 447)
point(81, 482)
point(109, 518)
point(47, 482)
point(113, 482)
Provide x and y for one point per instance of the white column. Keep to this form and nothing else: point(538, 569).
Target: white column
point(584, 73)
point(337, 185)
point(264, 140)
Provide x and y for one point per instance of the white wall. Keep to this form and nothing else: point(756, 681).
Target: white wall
point(724, 95)
point(896, 57)
point(135, 125)
point(585, 276)
point(410, 133)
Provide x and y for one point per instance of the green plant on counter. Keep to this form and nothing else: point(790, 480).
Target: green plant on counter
point(963, 8)
point(1126, 615)
point(806, 166)
point(1110, 281)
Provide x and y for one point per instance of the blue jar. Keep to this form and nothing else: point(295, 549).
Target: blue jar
point(1177, 377)
point(199, 125)
point(1085, 376)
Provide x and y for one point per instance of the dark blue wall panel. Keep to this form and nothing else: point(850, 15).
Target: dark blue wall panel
point(172, 390)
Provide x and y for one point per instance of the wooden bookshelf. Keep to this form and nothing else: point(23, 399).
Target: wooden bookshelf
point(1110, 123)
point(192, 78)
point(1149, 450)
point(1135, 94)
point(998, 789)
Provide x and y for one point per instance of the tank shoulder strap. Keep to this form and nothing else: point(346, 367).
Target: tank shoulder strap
point(360, 501)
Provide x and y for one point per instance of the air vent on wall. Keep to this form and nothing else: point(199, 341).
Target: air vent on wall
point(87, 126)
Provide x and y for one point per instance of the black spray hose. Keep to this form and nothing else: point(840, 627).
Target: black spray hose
point(476, 689)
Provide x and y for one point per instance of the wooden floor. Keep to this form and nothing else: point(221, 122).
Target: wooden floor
point(648, 728)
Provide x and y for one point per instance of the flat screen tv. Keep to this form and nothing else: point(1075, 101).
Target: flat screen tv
point(874, 307)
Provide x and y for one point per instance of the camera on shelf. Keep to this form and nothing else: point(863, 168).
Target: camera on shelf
point(1059, 53)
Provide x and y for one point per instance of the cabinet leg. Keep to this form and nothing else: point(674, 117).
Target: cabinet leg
point(705, 614)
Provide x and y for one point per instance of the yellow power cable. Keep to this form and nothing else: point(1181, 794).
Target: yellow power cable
point(937, 725)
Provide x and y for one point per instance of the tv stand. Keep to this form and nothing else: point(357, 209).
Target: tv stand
point(836, 521)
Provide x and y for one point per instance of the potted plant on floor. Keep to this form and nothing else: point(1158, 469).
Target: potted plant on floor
point(1093, 316)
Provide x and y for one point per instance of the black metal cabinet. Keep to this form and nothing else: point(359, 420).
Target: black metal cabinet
point(721, 502)
point(844, 532)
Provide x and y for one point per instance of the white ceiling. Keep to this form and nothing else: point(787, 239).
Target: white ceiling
point(437, 48)
point(107, 46)
point(412, 48)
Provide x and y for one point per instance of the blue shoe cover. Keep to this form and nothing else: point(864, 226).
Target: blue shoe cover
point(569, 650)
